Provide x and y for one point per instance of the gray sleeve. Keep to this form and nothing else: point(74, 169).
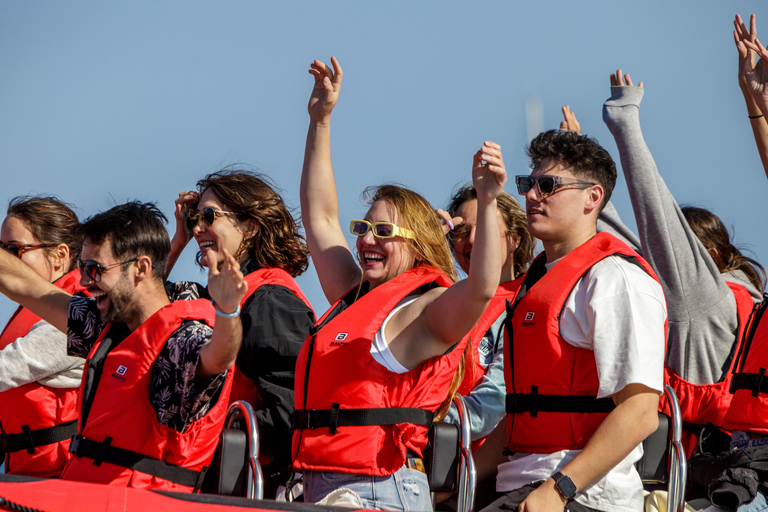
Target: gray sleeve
point(702, 310)
point(486, 400)
point(610, 222)
point(40, 356)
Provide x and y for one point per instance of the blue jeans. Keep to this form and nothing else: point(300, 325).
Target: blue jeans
point(406, 489)
point(758, 504)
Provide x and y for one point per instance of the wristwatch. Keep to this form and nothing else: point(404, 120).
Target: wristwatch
point(564, 485)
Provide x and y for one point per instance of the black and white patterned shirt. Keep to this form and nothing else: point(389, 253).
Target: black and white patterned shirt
point(177, 396)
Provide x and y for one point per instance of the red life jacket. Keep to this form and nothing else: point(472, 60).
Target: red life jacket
point(551, 401)
point(352, 414)
point(244, 388)
point(497, 306)
point(748, 410)
point(707, 403)
point(118, 424)
point(48, 414)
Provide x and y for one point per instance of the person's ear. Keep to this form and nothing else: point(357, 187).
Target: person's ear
point(595, 195)
point(143, 268)
point(61, 258)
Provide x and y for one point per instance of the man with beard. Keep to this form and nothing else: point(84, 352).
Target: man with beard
point(157, 382)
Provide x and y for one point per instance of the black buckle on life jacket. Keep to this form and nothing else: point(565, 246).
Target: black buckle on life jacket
point(333, 420)
point(302, 419)
point(758, 382)
point(26, 434)
point(4, 445)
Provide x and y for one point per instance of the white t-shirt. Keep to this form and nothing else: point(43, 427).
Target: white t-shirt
point(618, 311)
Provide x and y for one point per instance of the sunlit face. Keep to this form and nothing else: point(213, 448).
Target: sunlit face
point(114, 293)
point(14, 229)
point(382, 259)
point(463, 239)
point(226, 232)
point(555, 217)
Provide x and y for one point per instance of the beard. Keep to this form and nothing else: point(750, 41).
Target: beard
point(121, 304)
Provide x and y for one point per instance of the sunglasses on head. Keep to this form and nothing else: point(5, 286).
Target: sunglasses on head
point(17, 249)
point(207, 214)
point(547, 185)
point(380, 229)
point(94, 271)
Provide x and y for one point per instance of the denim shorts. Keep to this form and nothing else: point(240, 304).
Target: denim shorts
point(405, 489)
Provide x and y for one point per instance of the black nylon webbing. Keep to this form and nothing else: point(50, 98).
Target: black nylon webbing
point(755, 382)
point(30, 439)
point(536, 403)
point(319, 418)
point(105, 452)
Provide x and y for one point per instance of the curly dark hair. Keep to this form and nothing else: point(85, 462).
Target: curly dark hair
point(586, 158)
point(51, 221)
point(277, 242)
point(133, 229)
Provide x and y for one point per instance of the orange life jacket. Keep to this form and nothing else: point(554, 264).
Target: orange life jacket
point(352, 414)
point(120, 441)
point(552, 385)
point(244, 388)
point(707, 403)
point(37, 421)
point(748, 410)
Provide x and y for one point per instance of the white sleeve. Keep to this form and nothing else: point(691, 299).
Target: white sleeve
point(618, 311)
point(41, 356)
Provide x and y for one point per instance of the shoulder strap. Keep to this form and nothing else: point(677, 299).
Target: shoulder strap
point(95, 366)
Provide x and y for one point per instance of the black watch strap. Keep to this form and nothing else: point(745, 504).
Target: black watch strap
point(564, 486)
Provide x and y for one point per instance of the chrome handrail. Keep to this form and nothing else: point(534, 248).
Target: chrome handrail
point(255, 474)
point(467, 470)
point(678, 469)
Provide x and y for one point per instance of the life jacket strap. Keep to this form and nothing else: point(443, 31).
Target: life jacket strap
point(30, 439)
point(535, 403)
point(756, 382)
point(105, 452)
point(337, 417)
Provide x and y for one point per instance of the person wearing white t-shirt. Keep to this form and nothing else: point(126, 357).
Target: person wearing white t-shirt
point(584, 350)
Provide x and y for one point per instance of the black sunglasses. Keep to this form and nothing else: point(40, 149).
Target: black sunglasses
point(547, 185)
point(17, 249)
point(94, 271)
point(207, 214)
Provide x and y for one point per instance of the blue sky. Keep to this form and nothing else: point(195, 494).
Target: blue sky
point(104, 102)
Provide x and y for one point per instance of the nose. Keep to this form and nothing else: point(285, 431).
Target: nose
point(198, 228)
point(368, 237)
point(85, 279)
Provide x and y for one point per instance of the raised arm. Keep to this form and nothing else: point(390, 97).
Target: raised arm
point(227, 289)
point(335, 265)
point(753, 78)
point(609, 219)
point(22, 285)
point(697, 295)
point(442, 316)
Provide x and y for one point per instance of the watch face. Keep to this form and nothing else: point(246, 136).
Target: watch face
point(566, 487)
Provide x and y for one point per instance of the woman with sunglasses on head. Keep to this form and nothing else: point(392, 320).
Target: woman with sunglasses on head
point(239, 211)
point(38, 380)
point(379, 366)
point(483, 386)
point(709, 285)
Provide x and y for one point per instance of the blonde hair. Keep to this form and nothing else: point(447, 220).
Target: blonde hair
point(416, 214)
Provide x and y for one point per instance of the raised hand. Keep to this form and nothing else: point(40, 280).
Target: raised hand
point(488, 172)
point(182, 204)
point(325, 93)
point(619, 79)
point(449, 224)
point(225, 286)
point(753, 73)
point(570, 123)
